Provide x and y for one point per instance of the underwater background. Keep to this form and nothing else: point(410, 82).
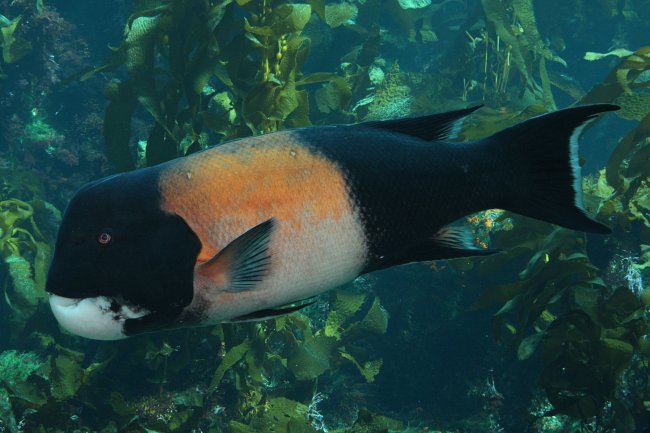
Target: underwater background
point(552, 335)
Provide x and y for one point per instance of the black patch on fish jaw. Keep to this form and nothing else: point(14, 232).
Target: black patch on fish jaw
point(149, 262)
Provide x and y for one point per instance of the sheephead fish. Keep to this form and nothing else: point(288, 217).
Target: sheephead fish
point(252, 228)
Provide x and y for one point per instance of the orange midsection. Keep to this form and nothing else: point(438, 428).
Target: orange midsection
point(229, 189)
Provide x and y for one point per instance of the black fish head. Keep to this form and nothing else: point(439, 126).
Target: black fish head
point(121, 265)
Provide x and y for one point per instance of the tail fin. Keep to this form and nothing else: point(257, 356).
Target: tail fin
point(544, 151)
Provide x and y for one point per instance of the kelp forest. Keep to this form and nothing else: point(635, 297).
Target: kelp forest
point(552, 335)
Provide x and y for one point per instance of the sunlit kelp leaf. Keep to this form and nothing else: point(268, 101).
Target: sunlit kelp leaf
point(346, 305)
point(66, 373)
point(287, 18)
point(632, 66)
point(268, 102)
point(621, 78)
point(311, 358)
point(368, 370)
point(138, 51)
point(14, 47)
point(25, 250)
point(232, 357)
point(619, 52)
point(334, 96)
point(138, 46)
point(639, 204)
point(374, 322)
point(281, 415)
point(179, 420)
point(634, 106)
point(337, 14)
point(299, 118)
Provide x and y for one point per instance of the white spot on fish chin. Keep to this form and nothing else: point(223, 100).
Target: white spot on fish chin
point(93, 317)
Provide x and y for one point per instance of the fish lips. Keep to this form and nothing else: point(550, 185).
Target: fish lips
point(97, 318)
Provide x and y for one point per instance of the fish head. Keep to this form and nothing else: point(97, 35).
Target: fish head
point(121, 265)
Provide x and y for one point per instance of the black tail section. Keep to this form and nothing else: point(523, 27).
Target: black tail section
point(544, 152)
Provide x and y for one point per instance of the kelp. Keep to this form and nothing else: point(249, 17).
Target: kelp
point(622, 79)
point(560, 303)
point(13, 46)
point(627, 167)
point(258, 67)
point(587, 330)
point(523, 47)
point(26, 238)
point(310, 354)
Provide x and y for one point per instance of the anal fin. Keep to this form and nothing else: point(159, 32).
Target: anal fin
point(449, 242)
point(458, 241)
point(270, 313)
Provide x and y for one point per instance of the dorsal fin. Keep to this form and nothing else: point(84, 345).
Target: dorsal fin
point(440, 126)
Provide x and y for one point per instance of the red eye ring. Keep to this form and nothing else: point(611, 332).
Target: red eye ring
point(105, 237)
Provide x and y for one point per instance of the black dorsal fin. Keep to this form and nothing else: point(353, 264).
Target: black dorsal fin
point(440, 126)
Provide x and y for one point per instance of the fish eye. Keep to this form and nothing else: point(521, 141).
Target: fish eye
point(105, 237)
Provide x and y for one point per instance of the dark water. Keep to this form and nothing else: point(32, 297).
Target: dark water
point(551, 335)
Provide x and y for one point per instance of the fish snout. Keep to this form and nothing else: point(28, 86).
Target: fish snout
point(98, 318)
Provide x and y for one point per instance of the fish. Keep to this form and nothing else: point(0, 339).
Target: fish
point(258, 227)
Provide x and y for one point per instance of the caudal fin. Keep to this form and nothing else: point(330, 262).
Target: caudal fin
point(544, 152)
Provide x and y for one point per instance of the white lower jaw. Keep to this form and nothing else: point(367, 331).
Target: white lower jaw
point(92, 317)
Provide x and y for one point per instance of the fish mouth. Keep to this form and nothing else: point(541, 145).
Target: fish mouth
point(97, 318)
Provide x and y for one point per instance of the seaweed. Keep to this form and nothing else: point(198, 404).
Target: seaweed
point(14, 47)
point(26, 237)
point(211, 82)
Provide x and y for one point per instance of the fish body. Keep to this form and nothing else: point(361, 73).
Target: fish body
point(239, 230)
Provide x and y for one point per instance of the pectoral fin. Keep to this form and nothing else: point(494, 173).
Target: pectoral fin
point(243, 263)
